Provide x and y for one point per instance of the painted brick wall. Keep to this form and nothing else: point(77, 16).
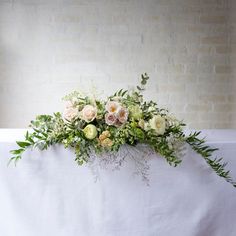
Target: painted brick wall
point(232, 98)
point(49, 47)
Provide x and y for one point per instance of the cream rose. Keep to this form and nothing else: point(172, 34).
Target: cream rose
point(158, 123)
point(70, 113)
point(88, 113)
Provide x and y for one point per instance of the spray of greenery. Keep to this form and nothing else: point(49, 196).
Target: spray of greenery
point(90, 124)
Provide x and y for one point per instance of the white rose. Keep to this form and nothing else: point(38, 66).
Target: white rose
point(158, 123)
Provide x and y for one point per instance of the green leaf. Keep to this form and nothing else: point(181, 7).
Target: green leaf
point(120, 91)
point(15, 159)
point(17, 151)
point(27, 135)
point(139, 88)
point(143, 82)
point(124, 93)
point(23, 144)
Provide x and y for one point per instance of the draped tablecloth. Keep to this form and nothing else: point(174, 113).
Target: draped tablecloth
point(47, 194)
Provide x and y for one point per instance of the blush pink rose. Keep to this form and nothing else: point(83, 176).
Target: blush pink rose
point(122, 115)
point(110, 118)
point(118, 123)
point(70, 113)
point(112, 107)
point(88, 113)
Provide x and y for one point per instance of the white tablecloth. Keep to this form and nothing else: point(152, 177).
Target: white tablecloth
point(47, 194)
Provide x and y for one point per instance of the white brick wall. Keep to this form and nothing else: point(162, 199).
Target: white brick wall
point(232, 96)
point(50, 47)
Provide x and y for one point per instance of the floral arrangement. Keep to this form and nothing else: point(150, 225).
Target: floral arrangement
point(93, 127)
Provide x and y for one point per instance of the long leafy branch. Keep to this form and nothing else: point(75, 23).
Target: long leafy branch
point(199, 145)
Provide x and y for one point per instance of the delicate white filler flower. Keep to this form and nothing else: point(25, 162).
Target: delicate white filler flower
point(158, 123)
point(151, 109)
